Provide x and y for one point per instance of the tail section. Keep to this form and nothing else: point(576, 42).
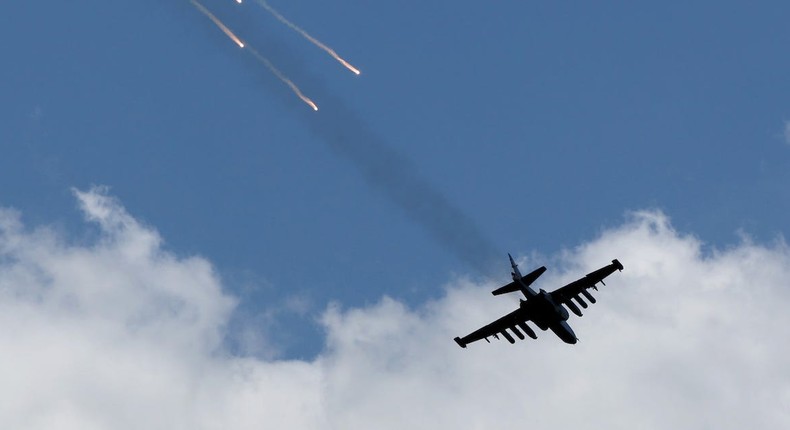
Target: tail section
point(520, 282)
point(516, 274)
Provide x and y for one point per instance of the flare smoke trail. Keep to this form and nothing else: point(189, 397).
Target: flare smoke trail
point(304, 34)
point(216, 21)
point(282, 77)
point(398, 179)
point(390, 173)
point(256, 54)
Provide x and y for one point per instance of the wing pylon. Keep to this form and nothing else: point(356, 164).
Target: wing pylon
point(571, 294)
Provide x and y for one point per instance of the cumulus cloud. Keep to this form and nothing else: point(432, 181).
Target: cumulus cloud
point(787, 132)
point(120, 333)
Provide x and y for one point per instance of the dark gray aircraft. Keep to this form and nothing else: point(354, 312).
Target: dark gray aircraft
point(543, 309)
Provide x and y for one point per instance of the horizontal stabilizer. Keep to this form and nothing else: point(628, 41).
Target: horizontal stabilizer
point(526, 281)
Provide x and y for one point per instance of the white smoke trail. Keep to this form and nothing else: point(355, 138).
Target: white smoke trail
point(216, 21)
point(283, 78)
point(312, 39)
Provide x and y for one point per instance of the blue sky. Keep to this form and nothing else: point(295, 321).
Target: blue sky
point(185, 244)
point(533, 126)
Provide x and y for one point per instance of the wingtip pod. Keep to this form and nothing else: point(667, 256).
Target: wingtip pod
point(460, 342)
point(617, 264)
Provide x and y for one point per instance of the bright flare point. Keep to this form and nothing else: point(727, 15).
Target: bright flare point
point(218, 23)
point(284, 79)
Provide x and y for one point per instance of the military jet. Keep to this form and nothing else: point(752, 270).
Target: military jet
point(544, 309)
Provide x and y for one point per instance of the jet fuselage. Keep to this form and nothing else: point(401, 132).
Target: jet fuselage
point(546, 310)
point(549, 315)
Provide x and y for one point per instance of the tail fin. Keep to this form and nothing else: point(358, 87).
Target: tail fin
point(515, 273)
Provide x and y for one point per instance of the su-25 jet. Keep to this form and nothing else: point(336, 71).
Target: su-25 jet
point(544, 309)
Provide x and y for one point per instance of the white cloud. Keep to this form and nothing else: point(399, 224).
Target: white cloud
point(787, 132)
point(122, 334)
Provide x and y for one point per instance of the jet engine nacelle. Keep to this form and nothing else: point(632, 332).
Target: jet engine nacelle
point(541, 324)
point(562, 312)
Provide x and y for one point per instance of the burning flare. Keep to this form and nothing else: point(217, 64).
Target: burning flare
point(282, 77)
point(255, 53)
point(304, 34)
point(216, 21)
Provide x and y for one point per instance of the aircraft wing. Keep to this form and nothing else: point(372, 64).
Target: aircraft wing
point(516, 318)
point(579, 287)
